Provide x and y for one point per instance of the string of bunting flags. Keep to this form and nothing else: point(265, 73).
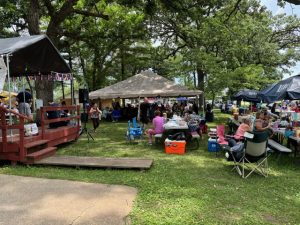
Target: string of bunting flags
point(54, 76)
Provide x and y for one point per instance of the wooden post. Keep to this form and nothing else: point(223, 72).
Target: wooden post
point(4, 131)
point(78, 118)
point(42, 122)
point(22, 153)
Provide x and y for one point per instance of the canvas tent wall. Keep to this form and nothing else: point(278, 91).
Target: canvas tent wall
point(144, 84)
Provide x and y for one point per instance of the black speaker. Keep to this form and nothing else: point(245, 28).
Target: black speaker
point(84, 117)
point(83, 96)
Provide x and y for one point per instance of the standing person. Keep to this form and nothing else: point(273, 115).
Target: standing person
point(24, 100)
point(158, 126)
point(144, 112)
point(273, 109)
point(24, 96)
point(95, 116)
point(195, 108)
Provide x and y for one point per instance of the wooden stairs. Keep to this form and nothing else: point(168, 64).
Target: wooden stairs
point(38, 150)
point(16, 147)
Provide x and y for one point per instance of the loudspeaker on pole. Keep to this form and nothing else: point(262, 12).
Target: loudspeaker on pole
point(83, 96)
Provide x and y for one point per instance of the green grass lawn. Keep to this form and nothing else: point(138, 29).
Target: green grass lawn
point(195, 188)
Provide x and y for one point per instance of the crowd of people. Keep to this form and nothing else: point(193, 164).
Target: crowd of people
point(21, 104)
point(149, 114)
point(265, 119)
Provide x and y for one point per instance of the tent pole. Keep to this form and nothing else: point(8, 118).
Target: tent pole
point(139, 109)
point(63, 89)
point(23, 84)
point(9, 90)
point(72, 92)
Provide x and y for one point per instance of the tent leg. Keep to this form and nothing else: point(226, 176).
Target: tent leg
point(9, 90)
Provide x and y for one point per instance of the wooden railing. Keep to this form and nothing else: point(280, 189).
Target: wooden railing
point(45, 121)
point(5, 127)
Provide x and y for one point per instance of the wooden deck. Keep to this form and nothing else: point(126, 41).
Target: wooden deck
point(16, 147)
point(54, 136)
point(96, 162)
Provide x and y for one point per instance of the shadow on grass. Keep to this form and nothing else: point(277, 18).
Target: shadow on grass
point(194, 188)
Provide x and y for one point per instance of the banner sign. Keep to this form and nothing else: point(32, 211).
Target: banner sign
point(53, 76)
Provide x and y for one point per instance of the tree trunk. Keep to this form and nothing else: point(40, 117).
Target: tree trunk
point(122, 63)
point(200, 76)
point(44, 88)
point(95, 65)
point(213, 99)
point(33, 17)
point(194, 78)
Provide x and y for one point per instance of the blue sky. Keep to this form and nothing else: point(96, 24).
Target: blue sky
point(288, 9)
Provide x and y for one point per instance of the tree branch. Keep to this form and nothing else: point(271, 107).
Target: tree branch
point(49, 7)
point(87, 13)
point(173, 53)
point(233, 10)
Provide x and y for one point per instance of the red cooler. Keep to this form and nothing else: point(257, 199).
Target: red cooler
point(175, 147)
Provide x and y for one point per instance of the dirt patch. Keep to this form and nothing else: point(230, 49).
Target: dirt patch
point(271, 219)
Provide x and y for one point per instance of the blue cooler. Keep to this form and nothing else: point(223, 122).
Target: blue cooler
point(213, 145)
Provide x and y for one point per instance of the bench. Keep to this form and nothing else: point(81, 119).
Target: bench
point(195, 135)
point(158, 138)
point(282, 149)
point(195, 141)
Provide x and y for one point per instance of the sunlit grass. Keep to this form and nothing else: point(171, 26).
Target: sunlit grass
point(195, 188)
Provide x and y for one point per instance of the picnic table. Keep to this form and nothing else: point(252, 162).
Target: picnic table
point(294, 141)
point(174, 126)
point(291, 141)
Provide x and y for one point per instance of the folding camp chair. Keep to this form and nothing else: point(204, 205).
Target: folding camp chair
point(255, 152)
point(133, 133)
point(135, 124)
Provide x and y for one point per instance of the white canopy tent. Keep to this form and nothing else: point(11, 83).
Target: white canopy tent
point(144, 84)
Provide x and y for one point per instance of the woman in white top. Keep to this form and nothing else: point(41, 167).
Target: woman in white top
point(95, 113)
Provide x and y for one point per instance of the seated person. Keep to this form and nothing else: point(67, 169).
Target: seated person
point(269, 112)
point(242, 129)
point(54, 115)
point(261, 124)
point(193, 120)
point(165, 116)
point(239, 134)
point(65, 112)
point(104, 113)
point(158, 128)
point(115, 115)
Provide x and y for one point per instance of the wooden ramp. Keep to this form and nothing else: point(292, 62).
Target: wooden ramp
point(97, 162)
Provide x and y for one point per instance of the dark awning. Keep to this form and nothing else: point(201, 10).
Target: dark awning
point(32, 55)
point(288, 89)
point(246, 95)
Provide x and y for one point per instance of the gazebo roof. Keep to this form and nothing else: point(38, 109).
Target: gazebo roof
point(144, 84)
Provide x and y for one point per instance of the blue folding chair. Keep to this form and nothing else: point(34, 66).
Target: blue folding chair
point(135, 124)
point(133, 133)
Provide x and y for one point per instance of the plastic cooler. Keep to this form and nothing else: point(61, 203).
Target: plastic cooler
point(175, 147)
point(213, 145)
